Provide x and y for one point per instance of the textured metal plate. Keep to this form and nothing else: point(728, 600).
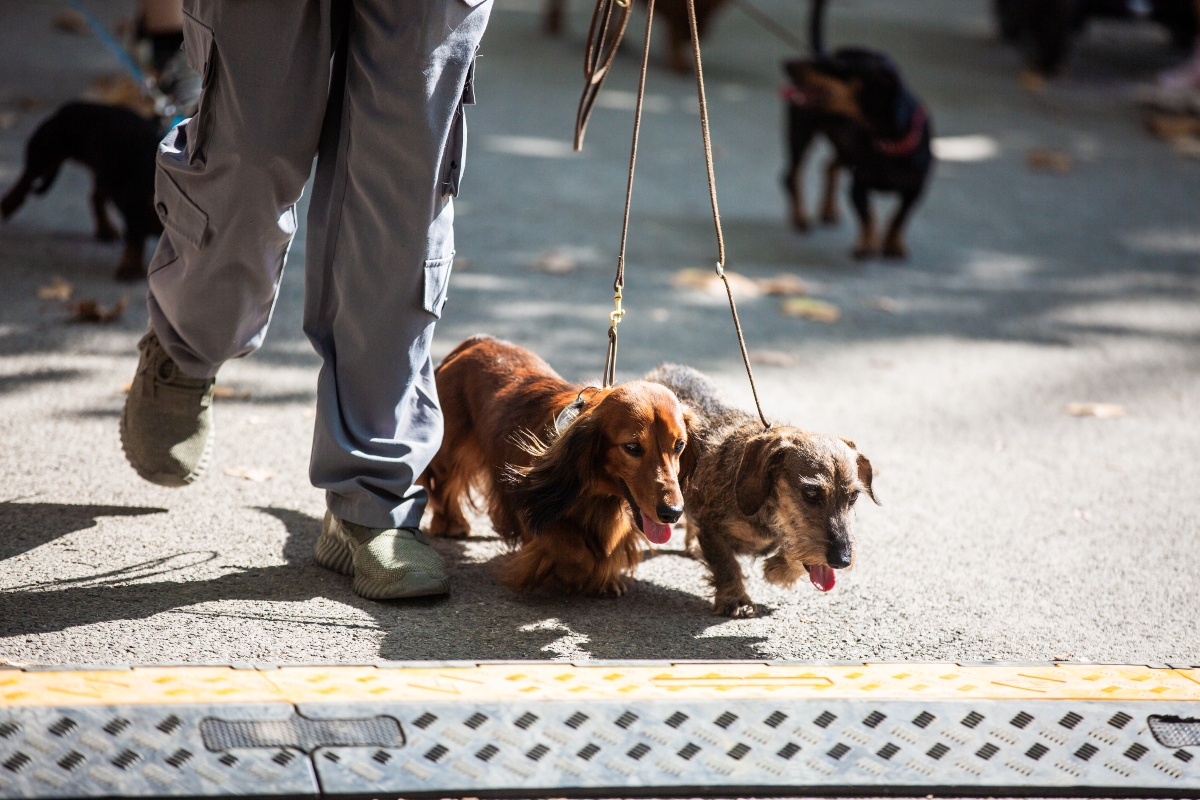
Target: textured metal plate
point(544, 728)
point(141, 751)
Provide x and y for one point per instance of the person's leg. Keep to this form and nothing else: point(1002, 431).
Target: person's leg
point(379, 251)
point(226, 184)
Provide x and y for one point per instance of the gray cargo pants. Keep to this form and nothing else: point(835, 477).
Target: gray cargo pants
point(374, 89)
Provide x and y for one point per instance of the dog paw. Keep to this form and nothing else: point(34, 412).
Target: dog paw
point(831, 218)
point(614, 589)
point(735, 607)
point(863, 253)
point(801, 224)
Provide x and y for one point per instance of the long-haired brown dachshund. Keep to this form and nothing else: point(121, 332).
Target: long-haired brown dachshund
point(571, 502)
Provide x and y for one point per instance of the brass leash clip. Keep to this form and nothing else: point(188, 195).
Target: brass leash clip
point(614, 318)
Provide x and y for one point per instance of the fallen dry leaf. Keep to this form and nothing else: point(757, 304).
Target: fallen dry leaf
point(89, 310)
point(121, 90)
point(707, 281)
point(555, 262)
point(29, 104)
point(71, 21)
point(784, 285)
point(772, 358)
point(126, 388)
point(1173, 126)
point(56, 289)
point(7, 120)
point(808, 308)
point(885, 304)
point(1049, 161)
point(255, 474)
point(1099, 410)
point(1032, 81)
point(229, 393)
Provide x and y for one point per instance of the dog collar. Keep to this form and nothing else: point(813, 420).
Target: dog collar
point(572, 411)
point(911, 140)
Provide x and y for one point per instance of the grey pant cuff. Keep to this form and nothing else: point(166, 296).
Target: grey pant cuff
point(372, 512)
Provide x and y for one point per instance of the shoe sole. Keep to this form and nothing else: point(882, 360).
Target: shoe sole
point(414, 584)
point(333, 553)
point(170, 480)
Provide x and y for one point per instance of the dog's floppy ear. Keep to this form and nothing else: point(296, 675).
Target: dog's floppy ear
point(545, 491)
point(687, 459)
point(865, 473)
point(754, 477)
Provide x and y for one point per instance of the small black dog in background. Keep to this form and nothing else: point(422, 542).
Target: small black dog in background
point(879, 130)
point(119, 147)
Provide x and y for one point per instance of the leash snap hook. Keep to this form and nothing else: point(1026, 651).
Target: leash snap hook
point(618, 312)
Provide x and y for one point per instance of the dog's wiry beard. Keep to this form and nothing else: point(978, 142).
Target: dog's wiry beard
point(802, 541)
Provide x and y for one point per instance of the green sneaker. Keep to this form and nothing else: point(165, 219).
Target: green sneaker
point(167, 423)
point(387, 563)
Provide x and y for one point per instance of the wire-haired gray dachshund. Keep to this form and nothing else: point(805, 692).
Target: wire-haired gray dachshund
point(783, 493)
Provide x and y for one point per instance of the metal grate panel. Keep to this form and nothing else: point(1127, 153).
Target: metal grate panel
point(534, 729)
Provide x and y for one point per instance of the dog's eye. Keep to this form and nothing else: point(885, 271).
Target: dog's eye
point(853, 497)
point(811, 494)
point(679, 445)
point(633, 448)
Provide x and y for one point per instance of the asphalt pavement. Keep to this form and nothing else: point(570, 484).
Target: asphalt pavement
point(1009, 529)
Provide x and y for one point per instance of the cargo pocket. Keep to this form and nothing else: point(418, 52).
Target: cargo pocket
point(177, 212)
point(454, 159)
point(201, 48)
point(437, 282)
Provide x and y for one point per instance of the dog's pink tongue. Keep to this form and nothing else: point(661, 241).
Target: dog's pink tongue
point(822, 577)
point(655, 530)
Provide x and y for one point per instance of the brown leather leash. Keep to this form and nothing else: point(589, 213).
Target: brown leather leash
point(604, 36)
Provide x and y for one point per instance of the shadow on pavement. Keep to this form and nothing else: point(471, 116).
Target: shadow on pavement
point(24, 526)
point(481, 620)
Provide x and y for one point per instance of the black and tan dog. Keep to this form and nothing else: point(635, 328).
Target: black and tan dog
point(783, 493)
point(118, 146)
point(880, 132)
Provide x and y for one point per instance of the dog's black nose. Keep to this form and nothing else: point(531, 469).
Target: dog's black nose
point(669, 514)
point(838, 555)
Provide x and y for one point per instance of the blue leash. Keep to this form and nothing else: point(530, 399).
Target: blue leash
point(162, 106)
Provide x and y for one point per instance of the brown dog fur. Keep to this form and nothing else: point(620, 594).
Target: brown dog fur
point(782, 493)
point(562, 501)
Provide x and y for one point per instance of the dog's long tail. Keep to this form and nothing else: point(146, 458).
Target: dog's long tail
point(816, 28)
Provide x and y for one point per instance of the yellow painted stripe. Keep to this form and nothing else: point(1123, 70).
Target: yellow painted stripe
point(548, 680)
